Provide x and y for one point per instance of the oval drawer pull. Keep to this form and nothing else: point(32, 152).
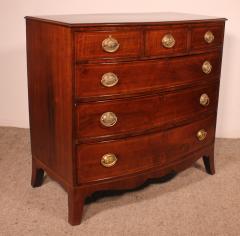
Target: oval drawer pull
point(108, 160)
point(204, 100)
point(201, 134)
point(109, 79)
point(108, 119)
point(206, 67)
point(209, 37)
point(110, 44)
point(168, 41)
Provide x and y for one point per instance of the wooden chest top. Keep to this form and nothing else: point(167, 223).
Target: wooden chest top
point(124, 18)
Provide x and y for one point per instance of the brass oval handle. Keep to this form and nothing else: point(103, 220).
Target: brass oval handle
point(204, 100)
point(108, 119)
point(109, 160)
point(201, 134)
point(209, 37)
point(110, 44)
point(168, 41)
point(206, 67)
point(109, 79)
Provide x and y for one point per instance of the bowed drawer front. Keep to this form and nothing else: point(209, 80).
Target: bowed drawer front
point(143, 152)
point(115, 100)
point(140, 114)
point(123, 78)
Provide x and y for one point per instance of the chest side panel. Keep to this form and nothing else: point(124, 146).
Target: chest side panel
point(49, 58)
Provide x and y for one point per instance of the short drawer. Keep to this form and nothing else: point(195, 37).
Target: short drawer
point(168, 41)
point(124, 116)
point(207, 37)
point(127, 156)
point(95, 45)
point(93, 80)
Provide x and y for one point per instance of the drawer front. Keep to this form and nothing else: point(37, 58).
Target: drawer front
point(94, 80)
point(93, 45)
point(125, 116)
point(207, 37)
point(166, 41)
point(132, 155)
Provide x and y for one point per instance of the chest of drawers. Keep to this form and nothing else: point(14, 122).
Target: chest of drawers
point(115, 100)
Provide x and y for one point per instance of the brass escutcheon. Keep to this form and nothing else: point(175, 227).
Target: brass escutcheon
point(109, 160)
point(109, 79)
point(168, 41)
point(201, 134)
point(206, 67)
point(204, 100)
point(108, 119)
point(209, 37)
point(110, 44)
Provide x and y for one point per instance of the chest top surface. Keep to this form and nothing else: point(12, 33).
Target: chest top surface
point(123, 18)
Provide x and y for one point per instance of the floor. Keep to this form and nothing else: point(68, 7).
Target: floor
point(191, 203)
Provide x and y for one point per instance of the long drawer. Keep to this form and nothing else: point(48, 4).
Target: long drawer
point(121, 116)
point(126, 156)
point(99, 80)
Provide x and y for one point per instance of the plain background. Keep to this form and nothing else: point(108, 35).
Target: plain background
point(13, 80)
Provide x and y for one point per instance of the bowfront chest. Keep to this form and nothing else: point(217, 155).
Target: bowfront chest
point(115, 100)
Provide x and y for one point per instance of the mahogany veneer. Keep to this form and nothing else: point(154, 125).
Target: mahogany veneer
point(117, 99)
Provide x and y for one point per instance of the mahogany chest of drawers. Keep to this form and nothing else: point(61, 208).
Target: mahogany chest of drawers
point(115, 100)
